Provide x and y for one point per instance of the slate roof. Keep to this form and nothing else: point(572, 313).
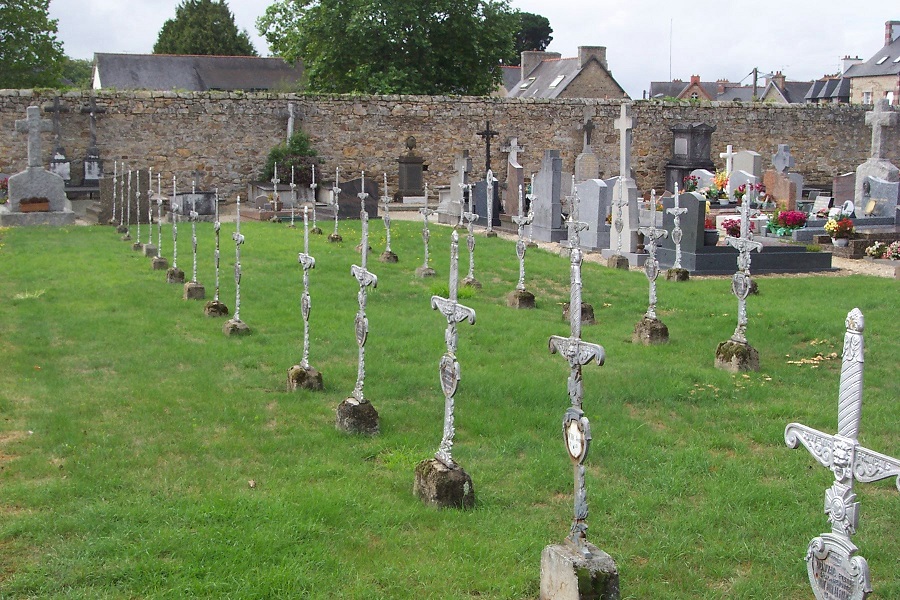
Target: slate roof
point(793, 92)
point(545, 74)
point(193, 73)
point(889, 66)
point(743, 93)
point(511, 76)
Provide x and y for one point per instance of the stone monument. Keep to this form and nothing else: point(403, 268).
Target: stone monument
point(546, 185)
point(216, 308)
point(303, 375)
point(411, 167)
point(691, 145)
point(650, 330)
point(356, 414)
point(235, 326)
point(441, 481)
point(35, 196)
point(877, 172)
point(736, 354)
point(835, 570)
point(521, 297)
point(577, 569)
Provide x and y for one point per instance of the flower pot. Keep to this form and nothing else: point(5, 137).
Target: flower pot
point(723, 201)
point(840, 242)
point(710, 237)
point(27, 207)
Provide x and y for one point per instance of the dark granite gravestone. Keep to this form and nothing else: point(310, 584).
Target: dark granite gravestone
point(691, 144)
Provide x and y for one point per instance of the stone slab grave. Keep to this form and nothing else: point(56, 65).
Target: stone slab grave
point(595, 197)
point(548, 222)
point(203, 203)
point(35, 187)
point(835, 570)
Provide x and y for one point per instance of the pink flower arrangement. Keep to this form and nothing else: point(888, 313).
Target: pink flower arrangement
point(733, 227)
point(690, 183)
point(744, 188)
point(4, 184)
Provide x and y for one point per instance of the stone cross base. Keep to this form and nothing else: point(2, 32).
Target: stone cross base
point(122, 229)
point(678, 275)
point(335, 237)
point(443, 487)
point(174, 275)
point(490, 234)
point(126, 237)
point(471, 282)
point(160, 264)
point(235, 327)
point(306, 378)
point(214, 308)
point(425, 272)
point(617, 261)
point(587, 313)
point(649, 331)
point(316, 230)
point(27, 219)
point(567, 575)
point(736, 357)
point(520, 299)
point(149, 249)
point(631, 259)
point(353, 417)
point(194, 291)
point(388, 256)
point(137, 247)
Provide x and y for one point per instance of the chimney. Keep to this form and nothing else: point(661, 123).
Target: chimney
point(721, 86)
point(532, 58)
point(695, 80)
point(778, 80)
point(891, 32)
point(586, 53)
point(848, 62)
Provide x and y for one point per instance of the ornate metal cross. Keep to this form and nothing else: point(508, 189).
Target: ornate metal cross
point(159, 203)
point(312, 186)
point(385, 201)
point(115, 180)
point(365, 279)
point(651, 265)
point(307, 262)
point(137, 203)
point(176, 208)
point(194, 216)
point(122, 197)
point(676, 213)
point(521, 221)
point(470, 216)
point(128, 205)
point(293, 195)
point(576, 428)
point(426, 234)
point(741, 282)
point(487, 134)
point(150, 205)
point(217, 226)
point(238, 240)
point(882, 116)
point(619, 222)
point(275, 181)
point(830, 558)
point(489, 191)
point(449, 367)
point(531, 198)
point(335, 193)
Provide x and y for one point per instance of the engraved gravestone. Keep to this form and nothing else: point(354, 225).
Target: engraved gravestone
point(835, 571)
point(548, 223)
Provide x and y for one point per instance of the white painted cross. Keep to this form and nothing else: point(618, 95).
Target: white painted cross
point(728, 155)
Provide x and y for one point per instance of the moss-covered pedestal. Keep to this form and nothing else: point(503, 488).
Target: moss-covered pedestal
point(194, 291)
point(438, 485)
point(677, 275)
point(649, 331)
point(587, 313)
point(174, 275)
point(617, 261)
point(160, 264)
point(736, 357)
point(235, 327)
point(306, 378)
point(357, 417)
point(214, 308)
point(566, 573)
point(520, 299)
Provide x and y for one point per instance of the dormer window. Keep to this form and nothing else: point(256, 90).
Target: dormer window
point(557, 81)
point(524, 85)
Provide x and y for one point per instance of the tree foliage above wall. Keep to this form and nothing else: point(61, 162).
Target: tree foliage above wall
point(429, 47)
point(203, 27)
point(30, 54)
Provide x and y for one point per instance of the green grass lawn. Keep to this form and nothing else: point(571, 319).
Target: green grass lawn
point(130, 426)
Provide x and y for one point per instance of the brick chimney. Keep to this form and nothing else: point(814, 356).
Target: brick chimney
point(586, 53)
point(778, 80)
point(695, 80)
point(891, 31)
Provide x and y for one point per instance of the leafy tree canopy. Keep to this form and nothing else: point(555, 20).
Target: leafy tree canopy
point(393, 46)
point(78, 72)
point(30, 54)
point(533, 34)
point(297, 153)
point(204, 27)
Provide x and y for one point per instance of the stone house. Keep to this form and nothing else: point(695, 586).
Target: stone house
point(548, 75)
point(781, 91)
point(194, 73)
point(878, 77)
point(777, 90)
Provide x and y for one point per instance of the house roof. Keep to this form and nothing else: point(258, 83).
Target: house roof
point(743, 93)
point(192, 73)
point(511, 76)
point(884, 62)
point(792, 92)
point(551, 77)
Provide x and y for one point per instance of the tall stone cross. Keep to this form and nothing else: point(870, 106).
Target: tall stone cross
point(521, 221)
point(728, 155)
point(883, 116)
point(834, 571)
point(93, 110)
point(33, 125)
point(782, 159)
point(307, 262)
point(677, 234)
point(487, 134)
point(651, 266)
point(57, 109)
point(449, 367)
point(624, 124)
point(513, 150)
point(238, 241)
point(740, 281)
point(576, 427)
point(365, 279)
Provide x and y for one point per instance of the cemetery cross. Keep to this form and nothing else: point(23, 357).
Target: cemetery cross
point(728, 155)
point(588, 131)
point(93, 110)
point(293, 195)
point(365, 279)
point(470, 216)
point(128, 203)
point(312, 186)
point(122, 199)
point(882, 116)
point(489, 201)
point(425, 270)
point(741, 282)
point(159, 203)
point(137, 207)
point(33, 125)
point(487, 134)
point(275, 182)
point(449, 371)
point(531, 198)
point(624, 124)
point(676, 213)
point(651, 265)
point(576, 427)
point(194, 216)
point(385, 200)
point(830, 557)
point(307, 262)
point(238, 240)
point(114, 181)
point(335, 192)
point(56, 110)
point(149, 206)
point(521, 221)
point(175, 210)
point(217, 226)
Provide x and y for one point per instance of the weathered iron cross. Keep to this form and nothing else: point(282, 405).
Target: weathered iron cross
point(741, 282)
point(365, 279)
point(307, 262)
point(651, 265)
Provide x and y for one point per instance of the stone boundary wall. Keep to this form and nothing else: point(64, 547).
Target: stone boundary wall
point(227, 135)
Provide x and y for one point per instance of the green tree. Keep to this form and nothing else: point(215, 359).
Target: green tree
point(204, 27)
point(30, 54)
point(78, 72)
point(393, 46)
point(297, 153)
point(533, 34)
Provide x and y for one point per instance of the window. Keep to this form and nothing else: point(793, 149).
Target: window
point(867, 98)
point(557, 81)
point(889, 96)
point(897, 60)
point(881, 60)
point(526, 83)
point(695, 96)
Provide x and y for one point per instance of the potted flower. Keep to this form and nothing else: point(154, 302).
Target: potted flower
point(840, 230)
point(690, 183)
point(4, 189)
point(787, 221)
point(710, 233)
point(720, 182)
point(733, 227)
point(744, 188)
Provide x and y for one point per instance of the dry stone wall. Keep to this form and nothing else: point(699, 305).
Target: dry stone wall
point(226, 135)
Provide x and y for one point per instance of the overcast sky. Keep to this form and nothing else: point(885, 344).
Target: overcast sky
point(714, 39)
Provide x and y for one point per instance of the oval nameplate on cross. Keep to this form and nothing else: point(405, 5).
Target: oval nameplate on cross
point(740, 285)
point(362, 329)
point(449, 370)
